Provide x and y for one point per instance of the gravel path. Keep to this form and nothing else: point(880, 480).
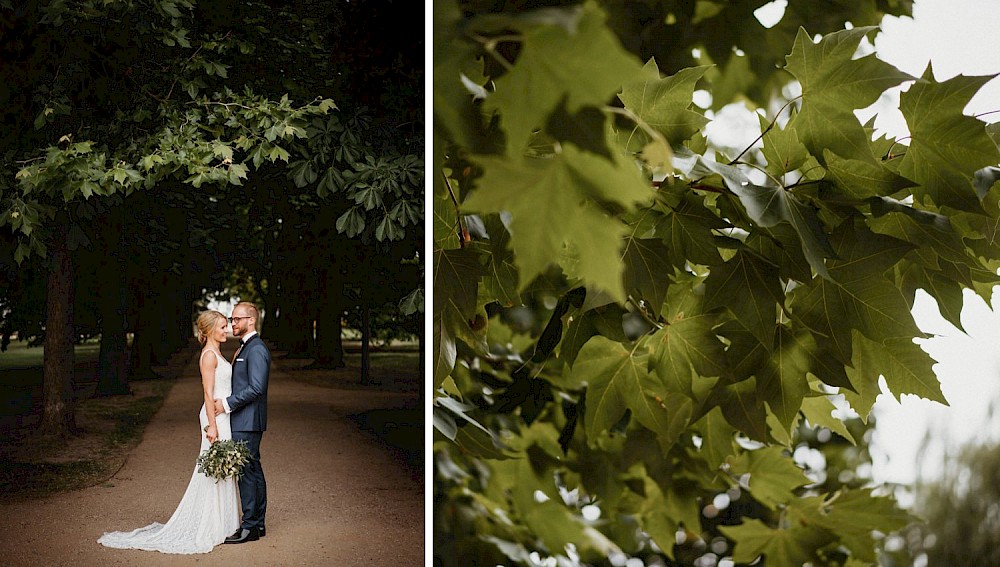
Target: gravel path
point(335, 495)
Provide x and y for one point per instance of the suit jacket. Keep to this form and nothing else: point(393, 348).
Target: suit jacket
point(248, 403)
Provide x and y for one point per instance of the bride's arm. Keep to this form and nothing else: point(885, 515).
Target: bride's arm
point(207, 366)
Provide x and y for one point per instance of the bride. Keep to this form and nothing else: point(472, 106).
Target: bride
point(209, 510)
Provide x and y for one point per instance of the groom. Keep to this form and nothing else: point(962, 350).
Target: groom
point(247, 407)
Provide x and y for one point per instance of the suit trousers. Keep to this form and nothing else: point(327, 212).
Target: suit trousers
point(253, 488)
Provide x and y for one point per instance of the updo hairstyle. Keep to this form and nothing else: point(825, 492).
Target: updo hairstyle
point(206, 323)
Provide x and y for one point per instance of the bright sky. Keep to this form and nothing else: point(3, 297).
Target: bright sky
point(957, 37)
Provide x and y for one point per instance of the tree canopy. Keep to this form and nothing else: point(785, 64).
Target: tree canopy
point(631, 323)
point(162, 149)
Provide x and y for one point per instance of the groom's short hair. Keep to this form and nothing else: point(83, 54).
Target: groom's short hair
point(251, 308)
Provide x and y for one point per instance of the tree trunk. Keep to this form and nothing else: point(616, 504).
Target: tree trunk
point(144, 338)
point(366, 337)
point(298, 322)
point(329, 344)
point(112, 368)
point(58, 417)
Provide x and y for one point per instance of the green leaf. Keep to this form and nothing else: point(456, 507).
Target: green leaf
point(686, 353)
point(688, 230)
point(857, 179)
point(818, 410)
point(665, 104)
point(717, 441)
point(582, 63)
point(767, 205)
point(276, 153)
point(858, 296)
point(773, 476)
point(456, 280)
point(500, 282)
point(445, 349)
point(855, 515)
point(782, 149)
point(945, 290)
point(646, 265)
point(588, 256)
point(906, 367)
point(933, 235)
point(351, 223)
point(617, 380)
point(220, 149)
point(834, 84)
point(782, 382)
point(547, 199)
point(749, 289)
point(946, 147)
point(794, 545)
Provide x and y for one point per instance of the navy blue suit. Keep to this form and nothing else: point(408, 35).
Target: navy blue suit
point(248, 419)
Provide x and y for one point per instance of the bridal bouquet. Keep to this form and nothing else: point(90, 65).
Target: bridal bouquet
point(224, 459)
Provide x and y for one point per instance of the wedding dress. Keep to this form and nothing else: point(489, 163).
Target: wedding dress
point(208, 512)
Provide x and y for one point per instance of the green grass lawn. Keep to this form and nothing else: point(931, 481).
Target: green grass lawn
point(20, 356)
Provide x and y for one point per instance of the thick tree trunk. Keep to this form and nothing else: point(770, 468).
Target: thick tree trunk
point(298, 322)
point(112, 368)
point(145, 333)
point(329, 351)
point(420, 343)
point(366, 337)
point(58, 416)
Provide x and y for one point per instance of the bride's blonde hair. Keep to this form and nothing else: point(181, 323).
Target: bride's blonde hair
point(206, 323)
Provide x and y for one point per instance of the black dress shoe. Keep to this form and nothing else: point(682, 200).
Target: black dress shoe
point(244, 535)
point(262, 531)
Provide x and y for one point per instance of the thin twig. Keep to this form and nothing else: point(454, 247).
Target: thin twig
point(766, 130)
point(458, 214)
point(490, 43)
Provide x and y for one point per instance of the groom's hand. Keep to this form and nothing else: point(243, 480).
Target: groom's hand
point(219, 409)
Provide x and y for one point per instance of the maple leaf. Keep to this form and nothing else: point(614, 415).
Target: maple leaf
point(581, 63)
point(855, 515)
point(818, 409)
point(782, 381)
point(716, 437)
point(859, 179)
point(687, 227)
point(767, 205)
point(857, 296)
point(782, 148)
point(500, 281)
point(548, 202)
point(645, 260)
point(665, 103)
point(686, 354)
point(746, 287)
point(946, 147)
point(834, 84)
point(906, 367)
point(781, 546)
point(772, 476)
point(616, 380)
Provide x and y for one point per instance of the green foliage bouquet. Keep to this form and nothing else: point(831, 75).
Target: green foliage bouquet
point(224, 459)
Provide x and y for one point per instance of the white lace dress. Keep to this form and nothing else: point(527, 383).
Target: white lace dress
point(209, 511)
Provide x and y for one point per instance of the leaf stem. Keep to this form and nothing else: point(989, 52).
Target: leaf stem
point(888, 153)
point(649, 130)
point(776, 181)
point(490, 45)
point(766, 130)
point(642, 311)
point(458, 214)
